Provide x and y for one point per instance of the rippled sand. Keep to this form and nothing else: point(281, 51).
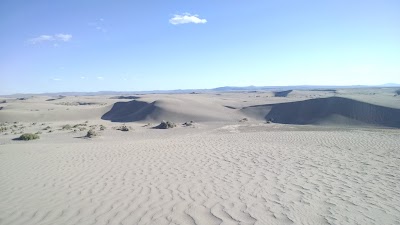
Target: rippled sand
point(246, 173)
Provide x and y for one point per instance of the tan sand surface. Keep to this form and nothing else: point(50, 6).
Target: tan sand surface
point(218, 171)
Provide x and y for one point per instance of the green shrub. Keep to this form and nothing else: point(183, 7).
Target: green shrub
point(28, 136)
point(102, 127)
point(66, 127)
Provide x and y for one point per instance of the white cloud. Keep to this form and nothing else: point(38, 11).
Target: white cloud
point(83, 78)
point(55, 79)
point(100, 78)
point(63, 37)
point(54, 38)
point(186, 18)
point(41, 38)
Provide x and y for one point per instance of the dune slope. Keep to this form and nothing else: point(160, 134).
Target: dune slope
point(313, 111)
point(173, 109)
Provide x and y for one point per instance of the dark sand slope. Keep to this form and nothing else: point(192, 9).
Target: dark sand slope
point(129, 111)
point(314, 111)
point(175, 110)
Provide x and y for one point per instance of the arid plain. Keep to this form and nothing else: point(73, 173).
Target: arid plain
point(295, 157)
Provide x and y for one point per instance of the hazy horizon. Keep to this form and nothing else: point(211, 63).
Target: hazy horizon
point(76, 46)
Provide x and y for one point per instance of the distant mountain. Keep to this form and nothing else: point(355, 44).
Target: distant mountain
point(390, 85)
point(218, 89)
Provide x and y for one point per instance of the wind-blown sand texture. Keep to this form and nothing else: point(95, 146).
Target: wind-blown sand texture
point(219, 171)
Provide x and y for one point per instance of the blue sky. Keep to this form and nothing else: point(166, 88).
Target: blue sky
point(51, 46)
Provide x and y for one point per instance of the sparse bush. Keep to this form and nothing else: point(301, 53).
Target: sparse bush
point(166, 125)
point(91, 133)
point(66, 127)
point(102, 127)
point(2, 129)
point(123, 128)
point(79, 125)
point(82, 128)
point(50, 131)
point(39, 132)
point(28, 136)
point(188, 124)
point(47, 128)
point(243, 120)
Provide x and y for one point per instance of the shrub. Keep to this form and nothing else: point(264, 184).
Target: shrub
point(39, 132)
point(123, 128)
point(47, 128)
point(165, 125)
point(188, 124)
point(28, 136)
point(80, 124)
point(102, 127)
point(66, 127)
point(243, 120)
point(91, 133)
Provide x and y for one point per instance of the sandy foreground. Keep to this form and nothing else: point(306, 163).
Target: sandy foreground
point(217, 171)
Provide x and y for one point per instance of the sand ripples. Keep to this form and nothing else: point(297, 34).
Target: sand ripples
point(299, 177)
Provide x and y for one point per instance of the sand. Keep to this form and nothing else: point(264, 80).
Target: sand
point(218, 171)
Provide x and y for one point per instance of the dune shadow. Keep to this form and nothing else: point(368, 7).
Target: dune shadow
point(129, 111)
point(313, 110)
point(282, 93)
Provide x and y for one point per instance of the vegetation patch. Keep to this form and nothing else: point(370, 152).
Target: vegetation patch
point(91, 134)
point(166, 125)
point(188, 124)
point(244, 120)
point(123, 128)
point(28, 137)
point(79, 125)
point(66, 127)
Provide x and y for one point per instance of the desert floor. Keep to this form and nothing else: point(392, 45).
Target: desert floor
point(216, 171)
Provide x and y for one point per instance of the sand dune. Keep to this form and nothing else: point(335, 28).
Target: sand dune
point(336, 110)
point(174, 109)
